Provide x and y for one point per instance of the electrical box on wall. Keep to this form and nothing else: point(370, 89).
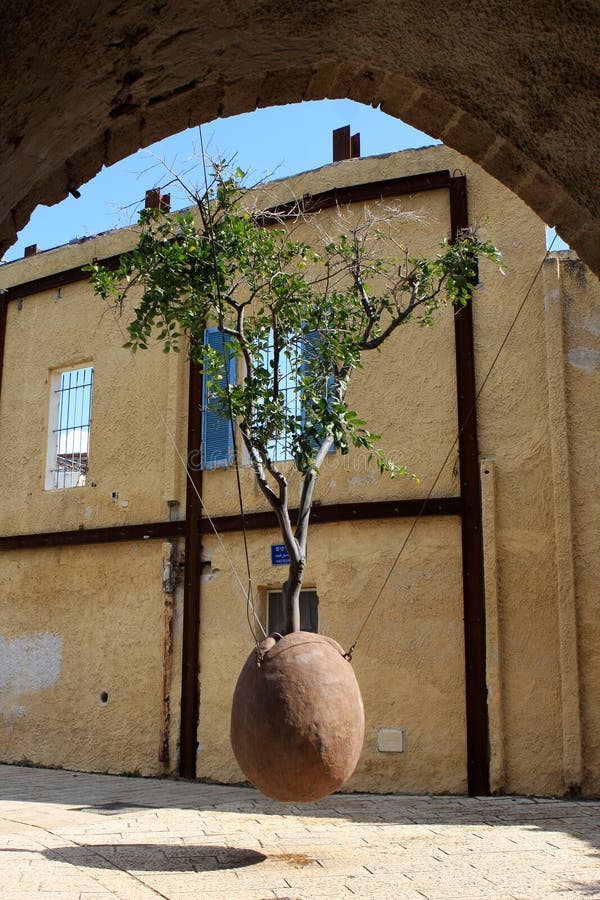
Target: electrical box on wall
point(391, 740)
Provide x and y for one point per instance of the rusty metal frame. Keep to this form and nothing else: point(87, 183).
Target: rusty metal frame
point(478, 754)
point(190, 659)
point(3, 321)
point(342, 512)
point(108, 535)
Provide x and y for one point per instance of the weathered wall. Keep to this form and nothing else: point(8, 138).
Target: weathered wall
point(92, 617)
point(78, 622)
point(572, 298)
point(541, 600)
point(514, 437)
point(514, 86)
point(133, 398)
point(409, 662)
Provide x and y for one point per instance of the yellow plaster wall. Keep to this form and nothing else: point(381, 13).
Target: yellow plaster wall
point(579, 297)
point(409, 660)
point(134, 398)
point(413, 647)
point(77, 622)
point(415, 410)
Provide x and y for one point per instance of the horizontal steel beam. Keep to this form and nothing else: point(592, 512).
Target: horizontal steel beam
point(357, 193)
point(342, 512)
point(310, 203)
point(321, 514)
point(112, 534)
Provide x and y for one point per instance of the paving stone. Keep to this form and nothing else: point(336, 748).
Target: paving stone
point(65, 835)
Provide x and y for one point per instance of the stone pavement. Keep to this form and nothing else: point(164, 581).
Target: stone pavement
point(70, 836)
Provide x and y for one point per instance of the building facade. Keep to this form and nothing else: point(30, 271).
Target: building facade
point(124, 623)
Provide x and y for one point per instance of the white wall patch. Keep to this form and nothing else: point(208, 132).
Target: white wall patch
point(585, 360)
point(29, 663)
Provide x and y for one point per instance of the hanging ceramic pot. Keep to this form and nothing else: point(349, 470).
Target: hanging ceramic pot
point(297, 720)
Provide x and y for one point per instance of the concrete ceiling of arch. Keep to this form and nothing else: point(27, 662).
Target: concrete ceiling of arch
point(513, 86)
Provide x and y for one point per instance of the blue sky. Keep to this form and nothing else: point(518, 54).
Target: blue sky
point(272, 142)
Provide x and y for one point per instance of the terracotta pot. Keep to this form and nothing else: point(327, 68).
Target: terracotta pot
point(297, 720)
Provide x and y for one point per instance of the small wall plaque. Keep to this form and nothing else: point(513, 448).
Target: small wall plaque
point(279, 555)
point(391, 740)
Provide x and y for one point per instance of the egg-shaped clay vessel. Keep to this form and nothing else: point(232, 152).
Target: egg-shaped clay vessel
point(297, 719)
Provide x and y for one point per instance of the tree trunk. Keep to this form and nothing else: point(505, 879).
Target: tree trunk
point(291, 596)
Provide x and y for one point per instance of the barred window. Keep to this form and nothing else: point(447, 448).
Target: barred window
point(69, 428)
point(280, 447)
point(217, 441)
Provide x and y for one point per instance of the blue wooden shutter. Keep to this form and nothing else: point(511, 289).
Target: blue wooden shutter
point(217, 439)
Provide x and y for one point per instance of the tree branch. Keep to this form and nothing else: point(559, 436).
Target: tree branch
point(306, 498)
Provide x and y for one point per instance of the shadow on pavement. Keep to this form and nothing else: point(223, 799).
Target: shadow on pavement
point(155, 857)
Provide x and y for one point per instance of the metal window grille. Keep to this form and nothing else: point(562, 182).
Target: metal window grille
point(70, 438)
point(297, 362)
point(280, 447)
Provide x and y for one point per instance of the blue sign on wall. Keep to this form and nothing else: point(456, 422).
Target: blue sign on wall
point(279, 555)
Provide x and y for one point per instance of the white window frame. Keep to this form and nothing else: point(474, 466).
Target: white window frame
point(52, 475)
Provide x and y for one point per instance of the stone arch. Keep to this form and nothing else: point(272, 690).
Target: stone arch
point(513, 86)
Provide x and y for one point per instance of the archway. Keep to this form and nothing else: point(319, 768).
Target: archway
point(511, 87)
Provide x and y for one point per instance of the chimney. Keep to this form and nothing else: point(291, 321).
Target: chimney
point(155, 199)
point(345, 146)
point(31, 250)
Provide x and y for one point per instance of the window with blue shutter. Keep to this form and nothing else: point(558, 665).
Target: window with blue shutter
point(217, 438)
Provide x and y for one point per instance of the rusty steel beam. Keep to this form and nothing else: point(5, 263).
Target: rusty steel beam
point(357, 193)
point(54, 280)
point(340, 512)
point(168, 586)
point(3, 318)
point(190, 661)
point(112, 534)
point(478, 756)
point(321, 514)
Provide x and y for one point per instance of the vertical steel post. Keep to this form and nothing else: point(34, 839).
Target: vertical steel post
point(190, 662)
point(3, 317)
point(478, 755)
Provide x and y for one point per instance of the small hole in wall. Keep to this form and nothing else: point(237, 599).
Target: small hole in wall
point(104, 698)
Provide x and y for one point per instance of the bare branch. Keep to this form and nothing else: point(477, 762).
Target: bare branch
point(275, 354)
point(306, 497)
point(275, 473)
point(278, 503)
